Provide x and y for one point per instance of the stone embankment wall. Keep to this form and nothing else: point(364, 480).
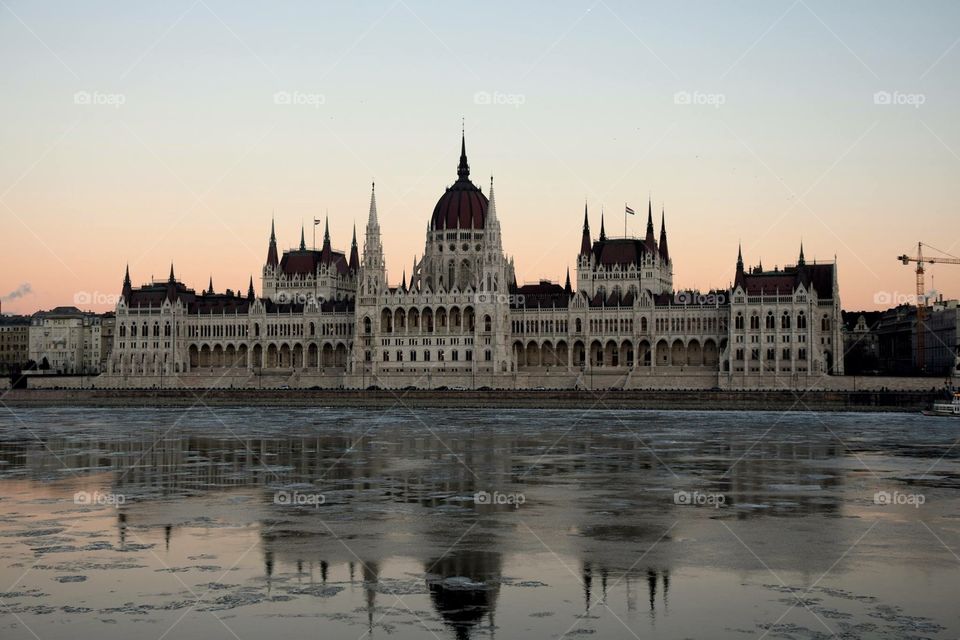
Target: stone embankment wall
point(747, 400)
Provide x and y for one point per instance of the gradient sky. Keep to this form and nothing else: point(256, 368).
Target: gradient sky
point(192, 163)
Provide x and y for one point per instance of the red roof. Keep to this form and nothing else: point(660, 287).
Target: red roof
point(305, 262)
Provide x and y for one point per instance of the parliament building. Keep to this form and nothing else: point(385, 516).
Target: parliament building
point(330, 319)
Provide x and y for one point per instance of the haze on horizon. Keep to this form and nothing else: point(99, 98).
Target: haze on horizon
point(172, 132)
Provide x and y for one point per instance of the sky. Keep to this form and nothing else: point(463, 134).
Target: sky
point(151, 133)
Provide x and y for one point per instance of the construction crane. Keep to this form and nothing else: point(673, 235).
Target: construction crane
point(921, 292)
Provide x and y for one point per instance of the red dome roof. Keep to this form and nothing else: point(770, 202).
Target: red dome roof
point(463, 205)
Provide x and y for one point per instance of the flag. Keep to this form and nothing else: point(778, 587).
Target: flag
point(316, 221)
point(629, 210)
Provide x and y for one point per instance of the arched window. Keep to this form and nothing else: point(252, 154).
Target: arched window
point(825, 323)
point(366, 325)
point(785, 320)
point(487, 323)
point(801, 321)
point(754, 321)
point(771, 322)
point(738, 321)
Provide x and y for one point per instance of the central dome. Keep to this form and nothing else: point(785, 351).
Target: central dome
point(463, 205)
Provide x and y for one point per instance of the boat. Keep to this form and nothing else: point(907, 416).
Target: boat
point(946, 408)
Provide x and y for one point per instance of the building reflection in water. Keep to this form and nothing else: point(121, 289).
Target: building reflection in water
point(383, 478)
point(464, 586)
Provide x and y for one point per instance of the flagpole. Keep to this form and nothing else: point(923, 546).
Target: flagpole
point(624, 219)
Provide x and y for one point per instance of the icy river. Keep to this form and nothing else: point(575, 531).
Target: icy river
point(252, 523)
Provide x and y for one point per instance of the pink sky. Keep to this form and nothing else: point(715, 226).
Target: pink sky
point(180, 151)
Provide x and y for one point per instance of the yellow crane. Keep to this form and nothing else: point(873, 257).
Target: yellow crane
point(921, 292)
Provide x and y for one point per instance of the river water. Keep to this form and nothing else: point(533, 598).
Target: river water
point(250, 523)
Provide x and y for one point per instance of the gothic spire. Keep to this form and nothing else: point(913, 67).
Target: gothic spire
point(585, 240)
point(210, 286)
point(603, 233)
point(492, 206)
point(272, 259)
point(801, 261)
point(566, 287)
point(354, 264)
point(649, 239)
point(250, 293)
point(372, 219)
point(303, 242)
point(127, 286)
point(664, 252)
point(326, 235)
point(172, 278)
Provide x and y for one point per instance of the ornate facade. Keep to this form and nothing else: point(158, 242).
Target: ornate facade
point(331, 319)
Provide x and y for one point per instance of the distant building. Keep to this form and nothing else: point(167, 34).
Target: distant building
point(885, 342)
point(860, 344)
point(14, 343)
point(66, 340)
point(108, 324)
point(942, 341)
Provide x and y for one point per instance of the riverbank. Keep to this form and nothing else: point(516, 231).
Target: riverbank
point(746, 400)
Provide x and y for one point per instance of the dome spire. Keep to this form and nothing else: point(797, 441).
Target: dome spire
point(463, 169)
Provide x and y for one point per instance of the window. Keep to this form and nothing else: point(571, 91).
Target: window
point(738, 321)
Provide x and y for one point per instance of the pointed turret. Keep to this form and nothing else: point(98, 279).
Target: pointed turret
point(251, 295)
point(373, 264)
point(566, 286)
point(354, 264)
point(171, 285)
point(801, 261)
point(272, 258)
point(210, 286)
point(603, 232)
point(127, 286)
point(403, 281)
point(738, 279)
point(326, 251)
point(664, 252)
point(372, 218)
point(585, 241)
point(491, 208)
point(413, 274)
point(303, 240)
point(649, 240)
